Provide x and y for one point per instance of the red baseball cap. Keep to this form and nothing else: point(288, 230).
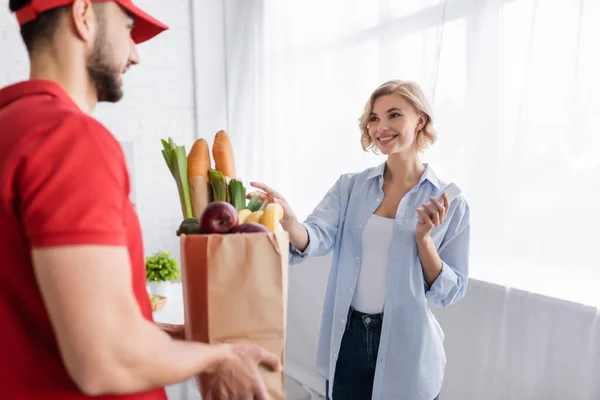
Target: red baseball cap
point(146, 27)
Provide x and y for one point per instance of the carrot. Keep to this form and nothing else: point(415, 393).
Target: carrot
point(223, 155)
point(198, 166)
point(199, 159)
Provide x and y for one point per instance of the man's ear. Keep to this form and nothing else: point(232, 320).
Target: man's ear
point(82, 15)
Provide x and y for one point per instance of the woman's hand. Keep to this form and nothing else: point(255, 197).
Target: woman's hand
point(273, 197)
point(297, 232)
point(432, 216)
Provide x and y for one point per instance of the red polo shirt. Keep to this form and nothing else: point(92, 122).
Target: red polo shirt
point(63, 181)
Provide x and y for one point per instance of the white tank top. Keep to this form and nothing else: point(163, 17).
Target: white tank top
point(370, 290)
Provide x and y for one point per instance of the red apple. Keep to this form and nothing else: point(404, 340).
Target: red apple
point(218, 217)
point(249, 227)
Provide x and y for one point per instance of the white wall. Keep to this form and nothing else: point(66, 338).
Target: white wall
point(161, 100)
point(14, 65)
point(308, 282)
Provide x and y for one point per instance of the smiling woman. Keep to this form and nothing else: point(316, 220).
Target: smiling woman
point(386, 261)
point(409, 101)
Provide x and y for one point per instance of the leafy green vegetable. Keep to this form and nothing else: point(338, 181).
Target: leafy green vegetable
point(161, 267)
point(238, 194)
point(255, 205)
point(218, 184)
point(176, 159)
point(263, 205)
point(189, 226)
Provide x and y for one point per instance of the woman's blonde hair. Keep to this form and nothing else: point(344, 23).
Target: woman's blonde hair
point(425, 137)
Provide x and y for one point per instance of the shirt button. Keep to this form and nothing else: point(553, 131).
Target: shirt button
point(351, 290)
point(357, 258)
point(334, 355)
point(359, 226)
point(378, 200)
point(368, 320)
point(343, 321)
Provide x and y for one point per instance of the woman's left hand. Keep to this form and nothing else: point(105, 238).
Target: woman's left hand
point(432, 215)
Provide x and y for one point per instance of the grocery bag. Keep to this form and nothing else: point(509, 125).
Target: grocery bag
point(235, 289)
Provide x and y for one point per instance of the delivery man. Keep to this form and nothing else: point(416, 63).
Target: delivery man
point(75, 316)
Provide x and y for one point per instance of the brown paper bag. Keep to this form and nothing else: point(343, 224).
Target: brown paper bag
point(235, 289)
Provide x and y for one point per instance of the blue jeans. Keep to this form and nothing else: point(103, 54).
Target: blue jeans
point(355, 369)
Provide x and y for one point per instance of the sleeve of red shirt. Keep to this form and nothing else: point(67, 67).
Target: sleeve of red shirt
point(73, 185)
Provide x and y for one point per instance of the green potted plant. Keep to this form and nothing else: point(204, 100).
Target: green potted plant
point(161, 272)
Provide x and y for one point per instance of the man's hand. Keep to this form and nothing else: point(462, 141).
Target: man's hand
point(175, 331)
point(239, 376)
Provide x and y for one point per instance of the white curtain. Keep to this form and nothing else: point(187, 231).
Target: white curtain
point(515, 88)
point(506, 344)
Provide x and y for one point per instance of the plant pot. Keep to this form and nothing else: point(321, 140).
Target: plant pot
point(158, 303)
point(160, 288)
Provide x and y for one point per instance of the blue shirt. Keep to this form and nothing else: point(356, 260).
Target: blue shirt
point(411, 357)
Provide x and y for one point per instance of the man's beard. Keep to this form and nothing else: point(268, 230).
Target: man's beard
point(104, 76)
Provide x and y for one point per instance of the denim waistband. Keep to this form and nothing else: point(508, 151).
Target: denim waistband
point(368, 320)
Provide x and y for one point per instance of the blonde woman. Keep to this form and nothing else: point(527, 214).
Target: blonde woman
point(392, 253)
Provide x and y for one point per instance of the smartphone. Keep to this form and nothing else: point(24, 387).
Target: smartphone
point(451, 190)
